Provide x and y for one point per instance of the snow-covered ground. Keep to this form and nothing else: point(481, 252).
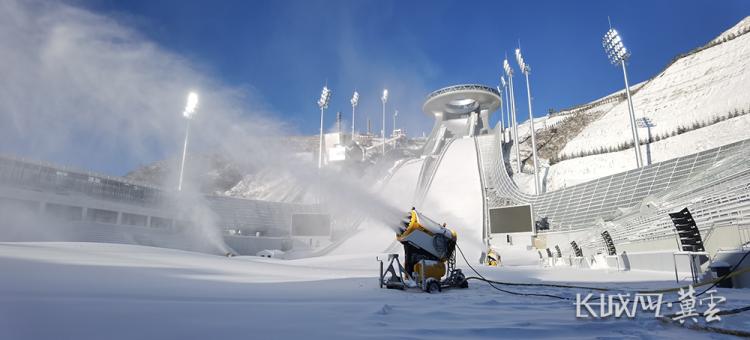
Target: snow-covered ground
point(455, 195)
point(109, 291)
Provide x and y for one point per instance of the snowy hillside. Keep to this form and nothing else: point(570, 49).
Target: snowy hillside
point(271, 185)
point(214, 172)
point(220, 175)
point(700, 101)
point(695, 88)
point(742, 27)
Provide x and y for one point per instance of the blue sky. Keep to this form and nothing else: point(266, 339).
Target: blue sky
point(284, 51)
point(99, 84)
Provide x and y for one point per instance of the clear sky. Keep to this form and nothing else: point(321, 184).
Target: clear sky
point(286, 50)
point(100, 84)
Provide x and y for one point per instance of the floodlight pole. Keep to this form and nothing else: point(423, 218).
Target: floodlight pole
point(618, 54)
point(634, 130)
point(395, 114)
point(507, 110)
point(533, 138)
point(184, 153)
point(502, 112)
point(525, 69)
point(320, 147)
point(384, 99)
point(517, 139)
point(382, 131)
point(325, 97)
point(190, 107)
point(355, 102)
point(646, 123)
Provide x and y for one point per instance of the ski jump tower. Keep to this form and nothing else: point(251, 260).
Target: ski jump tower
point(463, 110)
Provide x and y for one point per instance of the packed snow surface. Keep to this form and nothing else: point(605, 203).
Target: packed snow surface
point(455, 195)
point(110, 291)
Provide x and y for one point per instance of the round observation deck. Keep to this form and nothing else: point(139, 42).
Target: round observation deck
point(461, 99)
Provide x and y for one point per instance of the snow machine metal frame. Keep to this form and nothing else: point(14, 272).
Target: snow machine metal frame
point(396, 280)
point(428, 247)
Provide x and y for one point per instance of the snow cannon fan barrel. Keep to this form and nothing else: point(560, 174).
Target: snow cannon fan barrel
point(430, 257)
point(424, 239)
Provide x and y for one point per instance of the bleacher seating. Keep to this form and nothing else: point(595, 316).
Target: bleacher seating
point(713, 184)
point(77, 189)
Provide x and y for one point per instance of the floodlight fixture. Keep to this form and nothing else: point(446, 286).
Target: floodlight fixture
point(645, 122)
point(355, 99)
point(507, 68)
point(325, 97)
point(613, 46)
point(192, 104)
point(525, 69)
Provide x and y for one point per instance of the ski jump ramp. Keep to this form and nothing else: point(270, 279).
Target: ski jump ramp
point(455, 195)
point(445, 183)
point(372, 236)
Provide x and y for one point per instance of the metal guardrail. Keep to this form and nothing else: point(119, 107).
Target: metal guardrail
point(40, 176)
point(482, 180)
point(231, 212)
point(463, 87)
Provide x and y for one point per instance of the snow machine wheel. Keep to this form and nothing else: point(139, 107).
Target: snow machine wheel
point(433, 287)
point(464, 284)
point(460, 279)
point(394, 283)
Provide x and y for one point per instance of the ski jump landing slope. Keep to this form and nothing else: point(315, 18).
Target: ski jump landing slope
point(372, 236)
point(455, 196)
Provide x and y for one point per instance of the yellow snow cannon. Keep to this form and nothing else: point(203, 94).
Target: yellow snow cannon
point(429, 257)
point(493, 258)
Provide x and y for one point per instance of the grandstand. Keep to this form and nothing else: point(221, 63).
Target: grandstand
point(633, 205)
point(100, 208)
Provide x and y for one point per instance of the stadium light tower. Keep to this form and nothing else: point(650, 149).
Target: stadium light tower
point(502, 112)
point(618, 54)
point(384, 99)
point(525, 69)
point(509, 73)
point(647, 124)
point(325, 97)
point(395, 114)
point(192, 104)
point(507, 101)
point(355, 102)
